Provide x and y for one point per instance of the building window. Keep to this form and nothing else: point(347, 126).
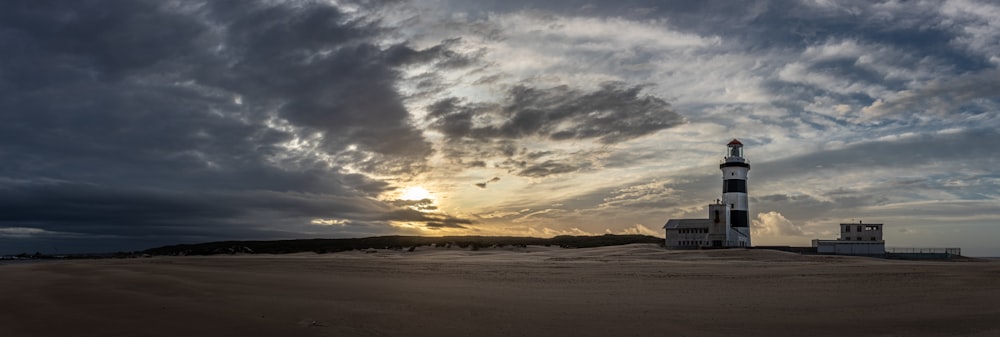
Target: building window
point(847, 229)
point(859, 228)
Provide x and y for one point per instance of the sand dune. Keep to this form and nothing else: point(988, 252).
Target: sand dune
point(633, 290)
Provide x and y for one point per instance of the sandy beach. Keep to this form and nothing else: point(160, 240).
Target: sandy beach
point(633, 290)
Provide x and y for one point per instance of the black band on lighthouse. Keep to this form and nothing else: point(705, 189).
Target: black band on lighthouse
point(734, 185)
point(739, 218)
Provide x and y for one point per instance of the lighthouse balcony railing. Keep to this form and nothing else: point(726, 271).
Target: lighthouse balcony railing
point(734, 159)
point(734, 162)
point(913, 250)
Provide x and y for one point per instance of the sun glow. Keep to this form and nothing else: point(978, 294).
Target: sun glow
point(415, 193)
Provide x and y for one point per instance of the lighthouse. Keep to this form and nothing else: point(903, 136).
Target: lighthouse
point(734, 188)
point(728, 223)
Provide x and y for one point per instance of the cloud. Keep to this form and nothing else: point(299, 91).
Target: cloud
point(522, 132)
point(28, 232)
point(188, 121)
point(96, 210)
point(949, 98)
point(438, 225)
point(774, 224)
point(546, 168)
point(653, 194)
point(551, 232)
point(638, 229)
point(330, 222)
point(483, 184)
point(611, 114)
point(215, 120)
point(420, 204)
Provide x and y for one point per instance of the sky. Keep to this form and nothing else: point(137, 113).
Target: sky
point(127, 125)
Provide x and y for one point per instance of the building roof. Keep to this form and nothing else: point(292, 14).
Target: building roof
point(686, 223)
point(734, 142)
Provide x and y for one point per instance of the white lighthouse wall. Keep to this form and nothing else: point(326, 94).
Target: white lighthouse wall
point(718, 220)
point(735, 172)
point(737, 201)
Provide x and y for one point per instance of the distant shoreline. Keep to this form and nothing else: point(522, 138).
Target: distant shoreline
point(322, 246)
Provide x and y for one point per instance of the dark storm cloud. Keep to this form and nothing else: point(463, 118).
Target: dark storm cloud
point(442, 55)
point(132, 211)
point(317, 71)
point(613, 113)
point(222, 118)
point(79, 205)
point(326, 75)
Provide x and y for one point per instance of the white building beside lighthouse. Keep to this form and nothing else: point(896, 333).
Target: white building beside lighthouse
point(855, 239)
point(728, 223)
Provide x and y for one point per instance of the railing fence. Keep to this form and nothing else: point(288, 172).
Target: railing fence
point(908, 250)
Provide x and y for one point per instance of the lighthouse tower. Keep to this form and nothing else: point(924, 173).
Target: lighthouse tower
point(734, 188)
